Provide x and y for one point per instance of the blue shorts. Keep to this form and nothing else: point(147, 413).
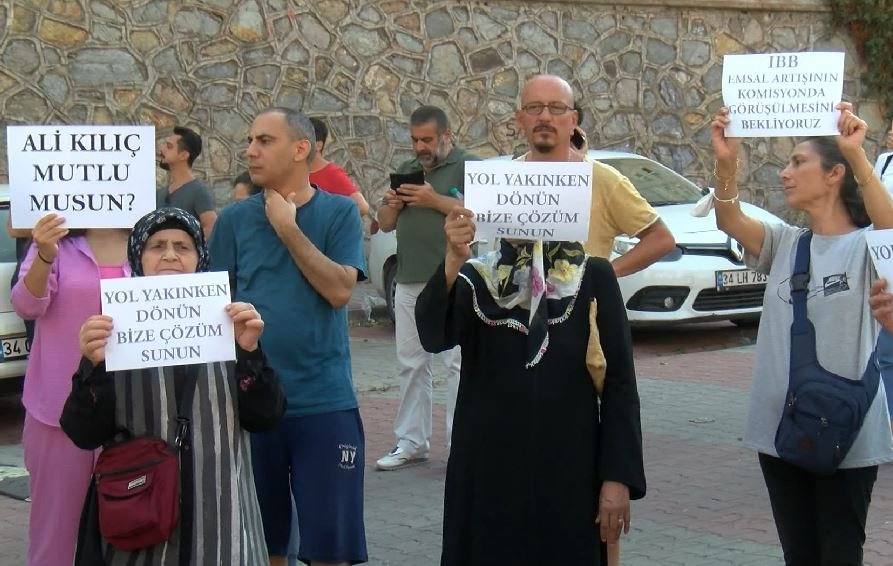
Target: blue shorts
point(320, 459)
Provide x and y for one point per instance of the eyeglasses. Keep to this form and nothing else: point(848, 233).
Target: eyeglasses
point(555, 108)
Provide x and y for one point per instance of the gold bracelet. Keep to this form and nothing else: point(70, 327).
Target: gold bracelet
point(726, 181)
point(717, 199)
point(722, 178)
point(858, 182)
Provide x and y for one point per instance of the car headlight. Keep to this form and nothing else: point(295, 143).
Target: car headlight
point(623, 244)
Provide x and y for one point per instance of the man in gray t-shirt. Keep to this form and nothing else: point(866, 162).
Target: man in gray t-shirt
point(176, 154)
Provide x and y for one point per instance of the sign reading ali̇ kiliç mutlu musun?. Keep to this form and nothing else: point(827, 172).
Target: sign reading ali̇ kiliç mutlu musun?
point(529, 200)
point(94, 176)
point(782, 94)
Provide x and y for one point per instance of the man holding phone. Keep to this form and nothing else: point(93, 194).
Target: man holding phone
point(416, 205)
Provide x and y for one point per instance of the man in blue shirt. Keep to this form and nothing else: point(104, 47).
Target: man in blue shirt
point(295, 253)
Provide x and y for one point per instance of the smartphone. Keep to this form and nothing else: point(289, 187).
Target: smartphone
point(414, 178)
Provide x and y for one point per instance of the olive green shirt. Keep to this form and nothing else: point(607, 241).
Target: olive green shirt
point(421, 242)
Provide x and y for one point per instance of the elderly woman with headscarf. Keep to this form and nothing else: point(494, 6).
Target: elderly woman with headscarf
point(230, 398)
point(541, 471)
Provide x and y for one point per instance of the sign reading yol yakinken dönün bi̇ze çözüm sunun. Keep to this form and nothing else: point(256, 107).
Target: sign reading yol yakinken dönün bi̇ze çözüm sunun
point(529, 200)
point(168, 320)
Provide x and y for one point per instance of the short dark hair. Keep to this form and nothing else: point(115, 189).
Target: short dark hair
point(301, 127)
point(830, 156)
point(189, 141)
point(245, 179)
point(320, 129)
point(425, 114)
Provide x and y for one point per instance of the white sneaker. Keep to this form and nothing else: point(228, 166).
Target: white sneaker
point(398, 458)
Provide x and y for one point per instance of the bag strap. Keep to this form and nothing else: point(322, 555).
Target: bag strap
point(887, 163)
point(803, 339)
point(184, 406)
point(800, 282)
point(183, 444)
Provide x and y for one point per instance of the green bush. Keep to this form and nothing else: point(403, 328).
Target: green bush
point(870, 25)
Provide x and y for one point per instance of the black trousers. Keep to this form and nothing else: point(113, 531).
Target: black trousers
point(820, 519)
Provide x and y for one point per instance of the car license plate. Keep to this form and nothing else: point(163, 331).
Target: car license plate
point(738, 278)
point(15, 347)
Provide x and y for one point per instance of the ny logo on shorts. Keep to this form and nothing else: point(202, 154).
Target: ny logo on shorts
point(348, 455)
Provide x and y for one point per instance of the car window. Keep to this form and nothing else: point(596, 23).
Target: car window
point(659, 185)
point(7, 244)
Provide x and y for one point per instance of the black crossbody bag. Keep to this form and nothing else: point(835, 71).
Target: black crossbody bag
point(823, 411)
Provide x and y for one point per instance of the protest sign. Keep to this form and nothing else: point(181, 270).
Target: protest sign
point(168, 320)
point(529, 200)
point(782, 94)
point(94, 176)
point(880, 248)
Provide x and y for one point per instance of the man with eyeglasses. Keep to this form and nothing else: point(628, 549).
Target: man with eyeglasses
point(548, 119)
point(418, 213)
point(176, 154)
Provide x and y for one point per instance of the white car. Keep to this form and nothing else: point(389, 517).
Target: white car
point(14, 346)
point(702, 279)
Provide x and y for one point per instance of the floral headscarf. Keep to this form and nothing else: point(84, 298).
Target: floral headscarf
point(162, 219)
point(534, 285)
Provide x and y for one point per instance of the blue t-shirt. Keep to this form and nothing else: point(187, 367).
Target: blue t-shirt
point(304, 338)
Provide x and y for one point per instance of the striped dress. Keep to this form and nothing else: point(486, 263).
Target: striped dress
point(227, 527)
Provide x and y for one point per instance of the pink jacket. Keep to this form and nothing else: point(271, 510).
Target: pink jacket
point(72, 295)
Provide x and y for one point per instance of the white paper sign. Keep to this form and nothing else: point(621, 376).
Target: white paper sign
point(94, 176)
point(168, 320)
point(880, 248)
point(530, 200)
point(782, 94)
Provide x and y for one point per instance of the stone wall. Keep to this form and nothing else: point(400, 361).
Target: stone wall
point(648, 77)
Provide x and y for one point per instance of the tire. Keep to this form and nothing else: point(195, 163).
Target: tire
point(390, 286)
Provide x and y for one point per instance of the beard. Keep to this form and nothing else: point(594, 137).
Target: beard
point(428, 160)
point(432, 158)
point(163, 165)
point(543, 147)
point(544, 144)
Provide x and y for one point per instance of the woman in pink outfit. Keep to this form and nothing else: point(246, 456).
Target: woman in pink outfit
point(59, 288)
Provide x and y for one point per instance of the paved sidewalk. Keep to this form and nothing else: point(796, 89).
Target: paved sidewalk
point(706, 502)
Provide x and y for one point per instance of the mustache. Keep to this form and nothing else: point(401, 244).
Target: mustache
point(545, 128)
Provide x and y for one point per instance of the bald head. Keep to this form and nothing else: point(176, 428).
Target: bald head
point(547, 117)
point(547, 83)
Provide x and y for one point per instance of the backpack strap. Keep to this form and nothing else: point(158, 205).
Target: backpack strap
point(183, 444)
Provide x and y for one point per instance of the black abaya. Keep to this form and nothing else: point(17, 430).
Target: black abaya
point(530, 447)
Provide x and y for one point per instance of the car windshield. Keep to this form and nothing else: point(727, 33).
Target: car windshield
point(659, 185)
point(7, 244)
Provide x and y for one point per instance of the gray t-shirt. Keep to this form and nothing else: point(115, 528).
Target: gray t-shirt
point(194, 197)
point(837, 305)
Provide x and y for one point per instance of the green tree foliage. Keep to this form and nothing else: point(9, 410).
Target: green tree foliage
point(870, 25)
